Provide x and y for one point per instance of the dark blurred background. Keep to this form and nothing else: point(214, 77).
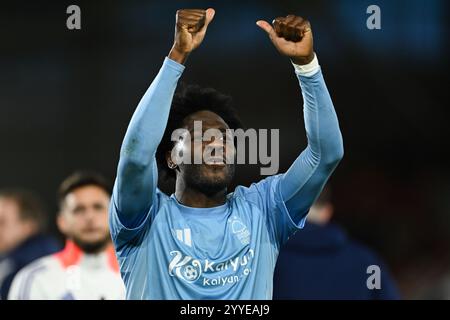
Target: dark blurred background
point(66, 98)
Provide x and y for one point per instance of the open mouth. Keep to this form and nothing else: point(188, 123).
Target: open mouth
point(215, 161)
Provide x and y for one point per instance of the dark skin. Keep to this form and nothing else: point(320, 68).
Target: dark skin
point(205, 185)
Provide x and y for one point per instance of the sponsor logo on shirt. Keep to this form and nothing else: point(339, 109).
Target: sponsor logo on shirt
point(184, 267)
point(190, 270)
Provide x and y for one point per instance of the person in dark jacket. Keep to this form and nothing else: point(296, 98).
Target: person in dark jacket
point(22, 240)
point(321, 262)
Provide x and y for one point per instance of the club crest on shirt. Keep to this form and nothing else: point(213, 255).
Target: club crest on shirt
point(240, 230)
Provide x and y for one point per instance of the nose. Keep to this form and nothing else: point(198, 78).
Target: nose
point(216, 143)
point(90, 214)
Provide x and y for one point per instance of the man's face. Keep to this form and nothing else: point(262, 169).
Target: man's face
point(84, 218)
point(13, 229)
point(213, 174)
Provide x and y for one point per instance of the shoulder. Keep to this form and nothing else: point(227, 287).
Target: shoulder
point(259, 193)
point(39, 266)
point(260, 188)
point(161, 196)
point(32, 276)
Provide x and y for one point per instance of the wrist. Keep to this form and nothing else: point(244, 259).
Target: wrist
point(300, 61)
point(178, 55)
point(307, 70)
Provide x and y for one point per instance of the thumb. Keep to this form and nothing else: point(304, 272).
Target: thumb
point(266, 27)
point(209, 16)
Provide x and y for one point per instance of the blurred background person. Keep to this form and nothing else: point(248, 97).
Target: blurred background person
point(321, 262)
point(86, 268)
point(23, 222)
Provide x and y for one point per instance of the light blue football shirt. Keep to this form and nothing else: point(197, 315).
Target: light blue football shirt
point(225, 252)
point(170, 251)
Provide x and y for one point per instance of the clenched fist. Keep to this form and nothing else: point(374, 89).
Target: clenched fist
point(292, 36)
point(190, 30)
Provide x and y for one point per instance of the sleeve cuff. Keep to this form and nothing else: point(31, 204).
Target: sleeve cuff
point(307, 70)
point(173, 64)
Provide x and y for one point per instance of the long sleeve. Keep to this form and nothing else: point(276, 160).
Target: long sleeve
point(137, 173)
point(305, 179)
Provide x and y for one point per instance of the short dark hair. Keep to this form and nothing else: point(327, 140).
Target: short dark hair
point(188, 100)
point(30, 206)
point(81, 179)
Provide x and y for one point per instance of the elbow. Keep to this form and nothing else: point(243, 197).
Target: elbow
point(134, 155)
point(335, 154)
point(133, 165)
point(339, 153)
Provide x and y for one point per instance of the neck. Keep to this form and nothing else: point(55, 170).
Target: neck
point(195, 198)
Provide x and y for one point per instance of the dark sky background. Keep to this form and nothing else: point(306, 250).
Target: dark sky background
point(66, 98)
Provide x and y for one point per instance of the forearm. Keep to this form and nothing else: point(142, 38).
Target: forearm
point(321, 122)
point(304, 180)
point(148, 122)
point(137, 174)
point(136, 170)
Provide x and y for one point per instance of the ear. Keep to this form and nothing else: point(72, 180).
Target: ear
point(170, 163)
point(62, 223)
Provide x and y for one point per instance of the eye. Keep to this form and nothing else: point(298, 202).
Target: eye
point(98, 207)
point(79, 210)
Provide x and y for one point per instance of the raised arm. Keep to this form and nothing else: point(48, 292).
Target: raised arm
point(136, 180)
point(305, 179)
